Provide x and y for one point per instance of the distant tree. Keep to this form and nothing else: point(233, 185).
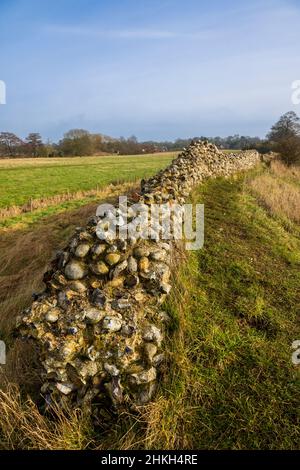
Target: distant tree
point(285, 138)
point(287, 126)
point(76, 142)
point(97, 143)
point(133, 139)
point(10, 144)
point(34, 145)
point(76, 134)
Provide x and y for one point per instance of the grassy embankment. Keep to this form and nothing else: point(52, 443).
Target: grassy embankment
point(235, 313)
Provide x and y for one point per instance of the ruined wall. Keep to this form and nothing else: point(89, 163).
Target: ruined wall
point(99, 325)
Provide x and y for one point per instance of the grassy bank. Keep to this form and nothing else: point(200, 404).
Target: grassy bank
point(236, 313)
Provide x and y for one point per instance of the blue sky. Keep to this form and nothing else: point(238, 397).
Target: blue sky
point(159, 69)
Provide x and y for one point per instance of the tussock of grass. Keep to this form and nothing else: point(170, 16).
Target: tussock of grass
point(23, 427)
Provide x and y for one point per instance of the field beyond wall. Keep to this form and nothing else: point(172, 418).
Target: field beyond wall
point(29, 185)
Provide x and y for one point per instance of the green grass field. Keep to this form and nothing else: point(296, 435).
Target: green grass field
point(25, 179)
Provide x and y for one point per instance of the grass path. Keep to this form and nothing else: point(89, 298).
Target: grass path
point(236, 313)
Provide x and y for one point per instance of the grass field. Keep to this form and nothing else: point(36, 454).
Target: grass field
point(22, 180)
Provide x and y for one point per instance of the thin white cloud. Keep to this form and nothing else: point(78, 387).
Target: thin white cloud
point(113, 34)
point(124, 34)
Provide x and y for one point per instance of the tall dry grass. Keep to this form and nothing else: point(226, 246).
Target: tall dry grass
point(278, 190)
point(22, 426)
point(278, 168)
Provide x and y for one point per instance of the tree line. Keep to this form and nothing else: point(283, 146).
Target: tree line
point(79, 142)
point(284, 138)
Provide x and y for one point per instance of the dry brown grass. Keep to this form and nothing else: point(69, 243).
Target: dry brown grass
point(24, 256)
point(279, 196)
point(22, 426)
point(283, 171)
point(41, 203)
point(65, 161)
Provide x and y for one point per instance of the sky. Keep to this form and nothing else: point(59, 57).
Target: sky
point(158, 69)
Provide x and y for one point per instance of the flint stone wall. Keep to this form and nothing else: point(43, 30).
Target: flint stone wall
point(99, 325)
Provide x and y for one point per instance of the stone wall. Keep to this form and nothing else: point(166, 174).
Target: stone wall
point(99, 325)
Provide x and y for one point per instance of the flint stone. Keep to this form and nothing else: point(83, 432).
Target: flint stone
point(112, 258)
point(120, 304)
point(112, 324)
point(62, 259)
point(75, 270)
point(65, 389)
point(62, 300)
point(111, 369)
point(78, 286)
point(152, 334)
point(97, 250)
point(87, 369)
point(53, 315)
point(158, 255)
point(94, 315)
point(150, 351)
point(82, 250)
point(144, 264)
point(145, 394)
point(98, 298)
point(165, 288)
point(158, 359)
point(69, 350)
point(114, 390)
point(119, 269)
point(132, 265)
point(131, 281)
point(144, 377)
point(100, 268)
point(140, 252)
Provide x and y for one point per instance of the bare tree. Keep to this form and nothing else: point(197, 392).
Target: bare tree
point(10, 144)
